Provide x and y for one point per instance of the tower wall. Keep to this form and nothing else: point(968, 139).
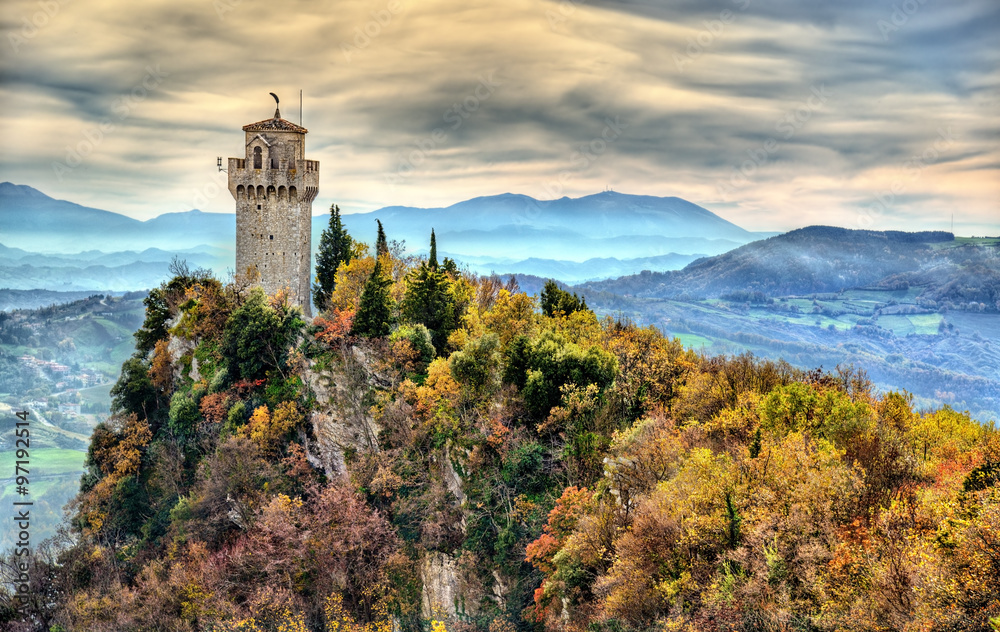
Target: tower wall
point(274, 186)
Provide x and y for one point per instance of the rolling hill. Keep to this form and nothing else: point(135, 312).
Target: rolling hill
point(810, 260)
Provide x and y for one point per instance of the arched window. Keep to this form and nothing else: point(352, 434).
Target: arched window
point(257, 158)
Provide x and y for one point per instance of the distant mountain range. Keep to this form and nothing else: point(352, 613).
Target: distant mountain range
point(824, 259)
point(607, 224)
point(33, 221)
point(594, 237)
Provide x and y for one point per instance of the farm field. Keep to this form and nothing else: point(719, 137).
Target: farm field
point(54, 476)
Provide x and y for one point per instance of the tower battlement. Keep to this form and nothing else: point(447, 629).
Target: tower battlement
point(274, 187)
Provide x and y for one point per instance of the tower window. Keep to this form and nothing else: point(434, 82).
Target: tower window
point(257, 158)
point(272, 237)
point(258, 207)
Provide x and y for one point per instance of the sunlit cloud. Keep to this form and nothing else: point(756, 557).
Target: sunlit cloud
point(430, 103)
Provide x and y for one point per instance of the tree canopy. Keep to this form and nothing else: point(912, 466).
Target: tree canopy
point(335, 249)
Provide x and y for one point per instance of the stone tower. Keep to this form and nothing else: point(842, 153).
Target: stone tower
point(274, 186)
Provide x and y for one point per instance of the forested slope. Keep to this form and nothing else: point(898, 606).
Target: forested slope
point(439, 450)
point(823, 259)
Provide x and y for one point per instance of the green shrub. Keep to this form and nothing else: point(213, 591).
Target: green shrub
point(420, 338)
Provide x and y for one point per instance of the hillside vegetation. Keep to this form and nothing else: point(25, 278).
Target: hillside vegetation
point(438, 450)
point(919, 311)
point(822, 259)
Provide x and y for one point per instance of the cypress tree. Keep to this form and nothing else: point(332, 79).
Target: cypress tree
point(381, 245)
point(433, 259)
point(334, 249)
point(374, 316)
point(429, 301)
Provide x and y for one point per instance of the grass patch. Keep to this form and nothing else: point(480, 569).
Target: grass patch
point(97, 395)
point(693, 341)
point(986, 325)
point(44, 462)
point(925, 323)
point(898, 324)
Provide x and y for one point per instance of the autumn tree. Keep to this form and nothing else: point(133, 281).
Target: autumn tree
point(112, 500)
point(267, 430)
point(335, 249)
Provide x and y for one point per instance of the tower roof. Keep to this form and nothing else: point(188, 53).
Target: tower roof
point(274, 124)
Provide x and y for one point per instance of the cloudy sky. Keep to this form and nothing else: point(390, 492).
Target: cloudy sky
point(774, 114)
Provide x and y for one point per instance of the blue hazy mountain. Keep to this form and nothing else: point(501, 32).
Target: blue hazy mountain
point(33, 221)
point(24, 210)
point(593, 237)
point(606, 224)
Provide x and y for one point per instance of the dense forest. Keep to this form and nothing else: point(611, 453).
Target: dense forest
point(439, 451)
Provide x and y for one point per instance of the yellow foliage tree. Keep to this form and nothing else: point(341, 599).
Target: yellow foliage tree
point(512, 315)
point(267, 431)
point(116, 458)
point(161, 370)
point(351, 278)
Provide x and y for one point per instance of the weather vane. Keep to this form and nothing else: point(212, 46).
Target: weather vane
point(277, 112)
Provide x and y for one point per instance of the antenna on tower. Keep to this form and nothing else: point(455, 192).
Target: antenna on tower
point(218, 163)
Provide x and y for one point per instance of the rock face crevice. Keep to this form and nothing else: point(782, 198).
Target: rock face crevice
point(343, 424)
point(342, 420)
point(451, 478)
point(445, 594)
point(177, 348)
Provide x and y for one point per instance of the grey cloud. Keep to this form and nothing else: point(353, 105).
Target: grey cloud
point(609, 59)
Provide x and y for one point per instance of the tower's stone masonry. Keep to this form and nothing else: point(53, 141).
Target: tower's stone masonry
point(274, 186)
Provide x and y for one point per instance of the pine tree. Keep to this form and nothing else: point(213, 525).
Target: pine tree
point(432, 261)
point(381, 245)
point(374, 316)
point(334, 249)
point(429, 300)
point(555, 300)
